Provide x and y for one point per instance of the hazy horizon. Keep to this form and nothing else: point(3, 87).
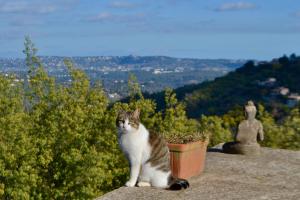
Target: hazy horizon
point(217, 29)
point(23, 57)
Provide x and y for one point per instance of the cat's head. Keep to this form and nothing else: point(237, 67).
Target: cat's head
point(128, 121)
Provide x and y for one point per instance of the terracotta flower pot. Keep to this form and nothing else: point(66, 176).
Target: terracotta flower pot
point(187, 160)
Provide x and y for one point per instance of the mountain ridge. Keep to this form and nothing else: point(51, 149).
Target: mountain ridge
point(130, 59)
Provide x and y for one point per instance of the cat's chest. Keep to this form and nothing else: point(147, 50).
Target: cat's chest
point(131, 143)
point(136, 146)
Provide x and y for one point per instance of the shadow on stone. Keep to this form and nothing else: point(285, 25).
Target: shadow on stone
point(214, 150)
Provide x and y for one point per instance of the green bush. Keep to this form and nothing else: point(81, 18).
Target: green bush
point(285, 134)
point(218, 131)
point(63, 146)
point(174, 124)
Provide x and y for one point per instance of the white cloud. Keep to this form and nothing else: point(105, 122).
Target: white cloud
point(122, 4)
point(235, 6)
point(26, 7)
point(111, 17)
point(33, 7)
point(103, 16)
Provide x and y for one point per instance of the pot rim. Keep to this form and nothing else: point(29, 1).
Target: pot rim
point(188, 146)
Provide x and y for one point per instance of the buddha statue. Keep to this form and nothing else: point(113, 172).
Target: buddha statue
point(249, 131)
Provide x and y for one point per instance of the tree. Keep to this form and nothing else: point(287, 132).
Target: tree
point(18, 172)
point(64, 145)
point(174, 124)
point(291, 130)
point(134, 88)
point(284, 60)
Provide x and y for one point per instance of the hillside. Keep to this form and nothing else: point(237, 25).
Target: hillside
point(276, 84)
point(273, 175)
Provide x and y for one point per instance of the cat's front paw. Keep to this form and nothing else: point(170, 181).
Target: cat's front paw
point(143, 184)
point(130, 184)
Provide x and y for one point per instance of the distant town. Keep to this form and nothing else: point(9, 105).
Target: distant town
point(154, 73)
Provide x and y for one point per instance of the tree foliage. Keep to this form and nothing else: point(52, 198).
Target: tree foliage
point(284, 134)
point(64, 146)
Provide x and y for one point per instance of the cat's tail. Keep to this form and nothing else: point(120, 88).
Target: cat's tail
point(177, 183)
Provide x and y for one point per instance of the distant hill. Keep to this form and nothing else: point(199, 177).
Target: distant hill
point(153, 72)
point(276, 84)
point(134, 62)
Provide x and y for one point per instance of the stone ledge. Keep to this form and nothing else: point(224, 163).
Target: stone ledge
point(273, 175)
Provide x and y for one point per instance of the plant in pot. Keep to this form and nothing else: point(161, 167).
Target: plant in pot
point(186, 142)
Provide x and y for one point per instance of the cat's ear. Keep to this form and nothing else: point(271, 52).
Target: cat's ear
point(136, 113)
point(121, 112)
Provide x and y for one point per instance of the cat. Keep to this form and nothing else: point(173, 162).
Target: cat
point(147, 153)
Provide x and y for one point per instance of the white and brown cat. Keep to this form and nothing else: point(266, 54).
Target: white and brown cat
point(147, 153)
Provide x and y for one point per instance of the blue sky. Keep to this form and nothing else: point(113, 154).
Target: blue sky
point(249, 29)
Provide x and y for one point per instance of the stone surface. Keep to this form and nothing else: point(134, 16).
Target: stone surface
point(273, 175)
point(249, 131)
point(245, 149)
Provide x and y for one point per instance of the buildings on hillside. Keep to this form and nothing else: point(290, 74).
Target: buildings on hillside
point(292, 99)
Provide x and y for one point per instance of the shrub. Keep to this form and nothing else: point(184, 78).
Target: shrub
point(64, 144)
point(217, 129)
point(174, 124)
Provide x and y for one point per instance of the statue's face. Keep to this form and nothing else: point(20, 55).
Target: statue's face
point(250, 112)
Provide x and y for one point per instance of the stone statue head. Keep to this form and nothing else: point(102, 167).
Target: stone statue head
point(250, 110)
